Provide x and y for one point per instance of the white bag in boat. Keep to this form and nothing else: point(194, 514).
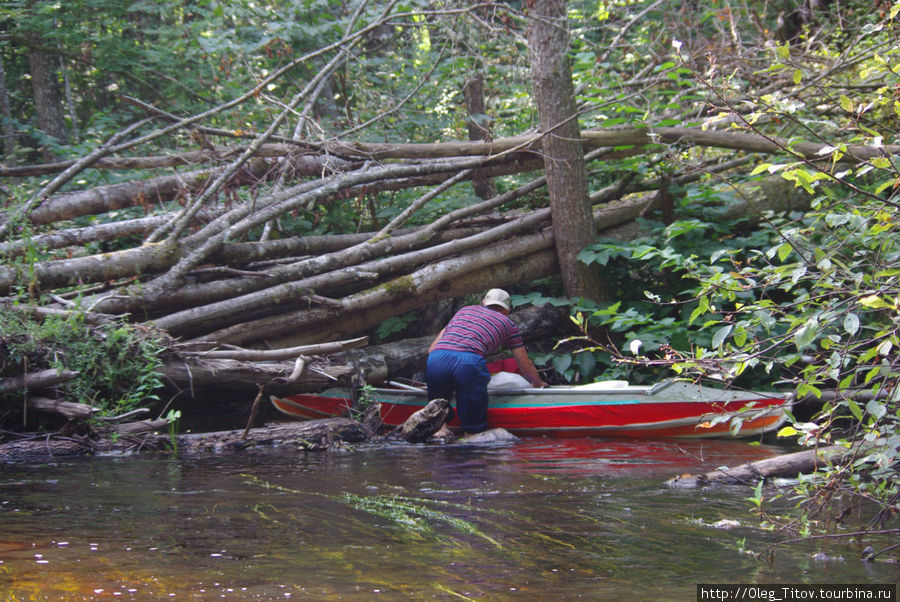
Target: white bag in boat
point(508, 380)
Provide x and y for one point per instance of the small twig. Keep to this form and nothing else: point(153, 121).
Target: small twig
point(125, 415)
point(323, 373)
point(61, 301)
point(253, 410)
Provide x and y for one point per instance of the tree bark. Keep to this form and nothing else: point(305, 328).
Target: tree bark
point(788, 466)
point(564, 166)
point(419, 427)
point(8, 130)
point(68, 409)
point(47, 94)
point(310, 435)
point(479, 127)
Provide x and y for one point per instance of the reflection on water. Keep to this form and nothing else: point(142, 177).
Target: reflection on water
point(544, 518)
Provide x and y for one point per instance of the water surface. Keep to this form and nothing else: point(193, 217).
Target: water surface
point(541, 519)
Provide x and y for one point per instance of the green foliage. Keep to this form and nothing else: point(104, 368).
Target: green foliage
point(395, 324)
point(811, 300)
point(172, 419)
point(117, 365)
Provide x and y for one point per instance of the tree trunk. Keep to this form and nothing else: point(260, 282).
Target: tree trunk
point(8, 130)
point(47, 94)
point(564, 166)
point(479, 128)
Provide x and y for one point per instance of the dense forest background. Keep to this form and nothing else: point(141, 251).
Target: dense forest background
point(710, 189)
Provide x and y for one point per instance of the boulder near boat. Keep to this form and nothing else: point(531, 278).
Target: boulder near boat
point(671, 408)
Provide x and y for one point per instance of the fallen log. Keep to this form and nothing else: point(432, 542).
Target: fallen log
point(36, 380)
point(373, 364)
point(41, 313)
point(140, 426)
point(42, 448)
point(279, 354)
point(310, 435)
point(68, 409)
point(787, 466)
point(195, 373)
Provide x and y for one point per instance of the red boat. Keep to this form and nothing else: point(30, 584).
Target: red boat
point(672, 408)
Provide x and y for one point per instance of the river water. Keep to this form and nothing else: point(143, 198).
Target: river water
point(537, 520)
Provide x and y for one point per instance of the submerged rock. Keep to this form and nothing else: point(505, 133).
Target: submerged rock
point(489, 437)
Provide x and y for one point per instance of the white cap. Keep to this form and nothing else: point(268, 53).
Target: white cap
point(497, 296)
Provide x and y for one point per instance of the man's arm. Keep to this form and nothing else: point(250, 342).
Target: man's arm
point(526, 367)
point(435, 341)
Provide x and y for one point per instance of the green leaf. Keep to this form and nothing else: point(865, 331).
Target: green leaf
point(701, 308)
point(783, 51)
point(784, 251)
point(876, 409)
point(851, 324)
point(721, 334)
point(874, 302)
point(887, 184)
point(846, 104)
point(806, 334)
point(563, 362)
point(855, 409)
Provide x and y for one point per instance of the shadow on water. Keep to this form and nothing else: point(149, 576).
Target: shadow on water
point(541, 519)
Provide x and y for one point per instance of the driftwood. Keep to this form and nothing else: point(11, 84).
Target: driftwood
point(135, 437)
point(788, 466)
point(419, 427)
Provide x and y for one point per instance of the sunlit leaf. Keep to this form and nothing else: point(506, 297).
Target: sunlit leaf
point(874, 302)
point(806, 334)
point(846, 104)
point(851, 324)
point(788, 431)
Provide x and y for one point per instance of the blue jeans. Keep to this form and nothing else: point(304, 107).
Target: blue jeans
point(467, 375)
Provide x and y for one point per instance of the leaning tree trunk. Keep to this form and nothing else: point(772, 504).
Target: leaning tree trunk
point(564, 166)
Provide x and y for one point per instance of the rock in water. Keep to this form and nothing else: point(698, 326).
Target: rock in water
point(489, 437)
point(424, 423)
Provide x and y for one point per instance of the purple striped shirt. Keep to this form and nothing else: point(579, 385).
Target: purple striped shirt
point(479, 329)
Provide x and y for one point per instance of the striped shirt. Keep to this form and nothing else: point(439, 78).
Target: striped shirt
point(479, 329)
